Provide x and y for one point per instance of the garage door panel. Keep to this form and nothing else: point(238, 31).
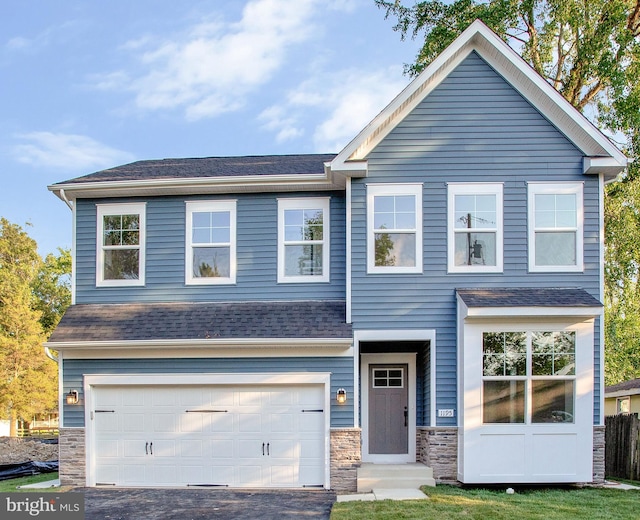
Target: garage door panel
point(249, 422)
point(211, 436)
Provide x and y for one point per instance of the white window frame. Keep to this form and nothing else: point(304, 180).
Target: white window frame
point(210, 206)
point(534, 189)
point(375, 190)
point(103, 210)
point(307, 203)
point(474, 188)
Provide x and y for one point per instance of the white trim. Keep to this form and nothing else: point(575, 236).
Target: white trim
point(558, 188)
point(267, 378)
point(61, 397)
point(213, 206)
point(622, 393)
point(474, 188)
point(219, 343)
point(124, 352)
point(529, 312)
point(379, 190)
point(348, 245)
point(400, 358)
point(73, 253)
point(305, 203)
point(102, 210)
point(479, 38)
point(601, 334)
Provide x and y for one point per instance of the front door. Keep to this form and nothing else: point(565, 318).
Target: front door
point(388, 409)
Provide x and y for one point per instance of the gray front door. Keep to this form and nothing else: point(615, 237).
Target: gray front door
point(388, 405)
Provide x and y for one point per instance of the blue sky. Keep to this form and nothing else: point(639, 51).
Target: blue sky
point(89, 85)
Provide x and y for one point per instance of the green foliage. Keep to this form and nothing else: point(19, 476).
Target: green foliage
point(52, 289)
point(590, 53)
point(28, 379)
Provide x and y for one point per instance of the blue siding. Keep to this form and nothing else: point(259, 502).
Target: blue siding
point(257, 241)
point(473, 127)
point(341, 369)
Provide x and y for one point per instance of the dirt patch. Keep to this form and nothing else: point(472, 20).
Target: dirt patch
point(17, 450)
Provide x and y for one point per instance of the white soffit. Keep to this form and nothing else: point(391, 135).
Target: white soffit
point(478, 37)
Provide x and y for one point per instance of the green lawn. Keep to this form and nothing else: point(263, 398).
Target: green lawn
point(11, 485)
point(449, 502)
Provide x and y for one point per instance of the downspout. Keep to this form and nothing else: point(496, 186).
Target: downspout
point(47, 351)
point(65, 199)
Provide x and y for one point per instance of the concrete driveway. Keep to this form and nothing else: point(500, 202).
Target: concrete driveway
point(196, 504)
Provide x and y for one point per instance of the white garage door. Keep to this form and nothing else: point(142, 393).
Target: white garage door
point(254, 436)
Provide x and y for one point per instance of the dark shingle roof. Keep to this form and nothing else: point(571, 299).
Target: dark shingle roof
point(633, 384)
point(211, 167)
point(177, 321)
point(527, 297)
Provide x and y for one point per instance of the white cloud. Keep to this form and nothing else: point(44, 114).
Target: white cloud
point(213, 66)
point(345, 102)
point(69, 151)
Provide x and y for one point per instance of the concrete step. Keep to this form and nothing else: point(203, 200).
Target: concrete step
point(394, 476)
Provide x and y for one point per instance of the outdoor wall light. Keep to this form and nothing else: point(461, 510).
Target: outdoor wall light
point(341, 396)
point(72, 397)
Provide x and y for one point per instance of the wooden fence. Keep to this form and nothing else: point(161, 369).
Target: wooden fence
point(622, 447)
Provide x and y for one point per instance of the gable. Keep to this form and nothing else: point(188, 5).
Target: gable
point(474, 112)
point(600, 155)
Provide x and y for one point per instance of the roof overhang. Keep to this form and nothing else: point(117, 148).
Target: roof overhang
point(528, 312)
point(622, 393)
point(325, 181)
point(337, 344)
point(603, 156)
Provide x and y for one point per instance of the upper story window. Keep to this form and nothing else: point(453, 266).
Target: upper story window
point(303, 240)
point(211, 243)
point(120, 244)
point(555, 227)
point(475, 228)
point(394, 228)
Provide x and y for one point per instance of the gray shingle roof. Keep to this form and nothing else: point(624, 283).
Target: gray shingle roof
point(527, 297)
point(211, 167)
point(178, 321)
point(633, 384)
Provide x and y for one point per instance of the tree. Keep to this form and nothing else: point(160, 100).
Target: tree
point(52, 289)
point(28, 379)
point(590, 53)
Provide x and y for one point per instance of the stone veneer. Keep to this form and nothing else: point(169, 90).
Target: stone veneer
point(438, 449)
point(345, 458)
point(598, 454)
point(72, 459)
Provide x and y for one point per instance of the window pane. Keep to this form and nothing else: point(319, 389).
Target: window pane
point(493, 342)
point(130, 222)
point(201, 219)
point(475, 249)
point(394, 212)
point(395, 249)
point(112, 222)
point(303, 260)
point(504, 353)
point(313, 224)
point(553, 353)
point(303, 225)
point(555, 248)
point(211, 262)
point(112, 238)
point(493, 365)
point(211, 227)
point(383, 204)
point(475, 211)
point(552, 401)
point(220, 235)
point(201, 236)
point(555, 210)
point(503, 401)
point(130, 238)
point(121, 264)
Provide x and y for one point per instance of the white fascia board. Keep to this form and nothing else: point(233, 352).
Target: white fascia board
point(608, 166)
point(233, 343)
point(175, 186)
point(478, 37)
point(531, 312)
point(622, 393)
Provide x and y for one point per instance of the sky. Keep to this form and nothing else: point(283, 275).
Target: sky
point(88, 85)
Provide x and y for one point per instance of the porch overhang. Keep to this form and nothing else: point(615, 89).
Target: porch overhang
point(527, 303)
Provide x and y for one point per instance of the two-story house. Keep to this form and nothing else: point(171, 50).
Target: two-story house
point(432, 293)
